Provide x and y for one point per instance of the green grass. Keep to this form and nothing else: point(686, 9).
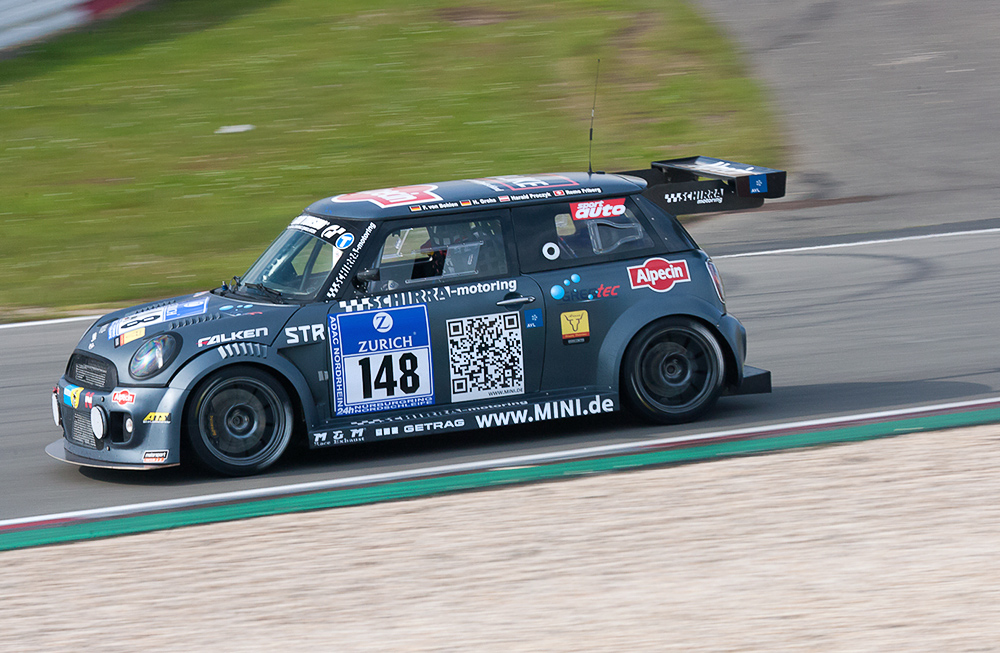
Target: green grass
point(115, 188)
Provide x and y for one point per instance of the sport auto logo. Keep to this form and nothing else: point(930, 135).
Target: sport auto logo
point(658, 274)
point(597, 209)
point(388, 197)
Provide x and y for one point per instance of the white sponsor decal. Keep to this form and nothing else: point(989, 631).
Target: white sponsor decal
point(546, 411)
point(708, 196)
point(297, 335)
point(426, 295)
point(222, 338)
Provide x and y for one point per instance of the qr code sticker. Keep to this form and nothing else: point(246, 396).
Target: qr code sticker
point(485, 356)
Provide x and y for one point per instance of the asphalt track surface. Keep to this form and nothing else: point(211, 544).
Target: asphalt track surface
point(891, 110)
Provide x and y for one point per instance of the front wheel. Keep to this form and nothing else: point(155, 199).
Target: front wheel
point(239, 421)
point(673, 371)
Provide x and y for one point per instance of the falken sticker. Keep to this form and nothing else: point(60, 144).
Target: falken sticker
point(381, 360)
point(485, 356)
point(658, 274)
point(175, 311)
point(597, 209)
point(575, 327)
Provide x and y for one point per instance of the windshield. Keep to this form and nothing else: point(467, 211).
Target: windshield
point(296, 265)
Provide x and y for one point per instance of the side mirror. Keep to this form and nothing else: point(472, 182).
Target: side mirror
point(362, 278)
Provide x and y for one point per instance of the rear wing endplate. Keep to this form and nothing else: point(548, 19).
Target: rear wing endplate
point(700, 184)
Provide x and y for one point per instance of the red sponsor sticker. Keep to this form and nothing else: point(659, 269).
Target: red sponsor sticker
point(597, 209)
point(88, 400)
point(388, 197)
point(658, 274)
point(123, 397)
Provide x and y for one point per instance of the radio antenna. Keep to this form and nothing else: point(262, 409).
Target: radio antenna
point(590, 151)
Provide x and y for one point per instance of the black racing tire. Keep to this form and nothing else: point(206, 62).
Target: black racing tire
point(239, 421)
point(673, 371)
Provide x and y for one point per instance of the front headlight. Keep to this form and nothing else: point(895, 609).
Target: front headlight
point(154, 355)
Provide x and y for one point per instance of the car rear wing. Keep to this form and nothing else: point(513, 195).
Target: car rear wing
point(700, 184)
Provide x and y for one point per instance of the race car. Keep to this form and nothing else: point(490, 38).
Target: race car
point(426, 309)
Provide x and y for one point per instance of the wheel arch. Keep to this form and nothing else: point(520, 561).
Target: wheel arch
point(198, 369)
point(628, 325)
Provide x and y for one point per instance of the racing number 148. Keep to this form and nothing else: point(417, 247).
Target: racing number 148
point(409, 380)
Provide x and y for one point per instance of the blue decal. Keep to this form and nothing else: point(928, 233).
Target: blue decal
point(381, 360)
point(570, 293)
point(151, 316)
point(533, 318)
point(187, 309)
point(344, 241)
point(758, 184)
point(242, 309)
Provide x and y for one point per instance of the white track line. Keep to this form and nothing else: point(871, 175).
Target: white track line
point(462, 468)
point(792, 250)
point(61, 320)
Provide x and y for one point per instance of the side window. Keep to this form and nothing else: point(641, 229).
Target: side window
point(552, 236)
point(452, 251)
point(669, 228)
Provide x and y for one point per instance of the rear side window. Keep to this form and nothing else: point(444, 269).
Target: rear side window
point(553, 236)
point(667, 226)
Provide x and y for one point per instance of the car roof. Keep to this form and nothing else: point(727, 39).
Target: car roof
point(471, 194)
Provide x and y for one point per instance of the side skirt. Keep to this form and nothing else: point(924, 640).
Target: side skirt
point(372, 427)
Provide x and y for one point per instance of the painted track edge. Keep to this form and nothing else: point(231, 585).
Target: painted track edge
point(56, 529)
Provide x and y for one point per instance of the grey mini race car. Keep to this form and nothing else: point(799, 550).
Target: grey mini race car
point(425, 309)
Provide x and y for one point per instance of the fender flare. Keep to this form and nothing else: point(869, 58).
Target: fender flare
point(247, 353)
point(636, 317)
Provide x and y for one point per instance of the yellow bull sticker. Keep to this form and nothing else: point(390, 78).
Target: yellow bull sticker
point(575, 327)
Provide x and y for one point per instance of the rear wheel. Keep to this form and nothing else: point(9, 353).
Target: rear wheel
point(240, 421)
point(673, 371)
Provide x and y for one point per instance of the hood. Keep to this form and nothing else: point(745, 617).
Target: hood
point(202, 321)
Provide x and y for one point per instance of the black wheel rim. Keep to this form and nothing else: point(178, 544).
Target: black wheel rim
point(242, 421)
point(677, 370)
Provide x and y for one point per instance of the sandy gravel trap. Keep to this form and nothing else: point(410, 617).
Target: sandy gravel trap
point(875, 546)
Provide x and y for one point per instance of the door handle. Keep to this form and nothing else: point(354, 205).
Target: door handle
point(515, 301)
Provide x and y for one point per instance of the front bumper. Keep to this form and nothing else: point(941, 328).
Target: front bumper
point(155, 414)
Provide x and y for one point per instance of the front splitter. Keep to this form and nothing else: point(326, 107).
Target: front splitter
point(58, 451)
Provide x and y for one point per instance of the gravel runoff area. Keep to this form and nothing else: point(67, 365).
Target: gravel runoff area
point(883, 545)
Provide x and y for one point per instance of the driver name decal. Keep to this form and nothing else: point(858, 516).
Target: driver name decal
point(381, 360)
